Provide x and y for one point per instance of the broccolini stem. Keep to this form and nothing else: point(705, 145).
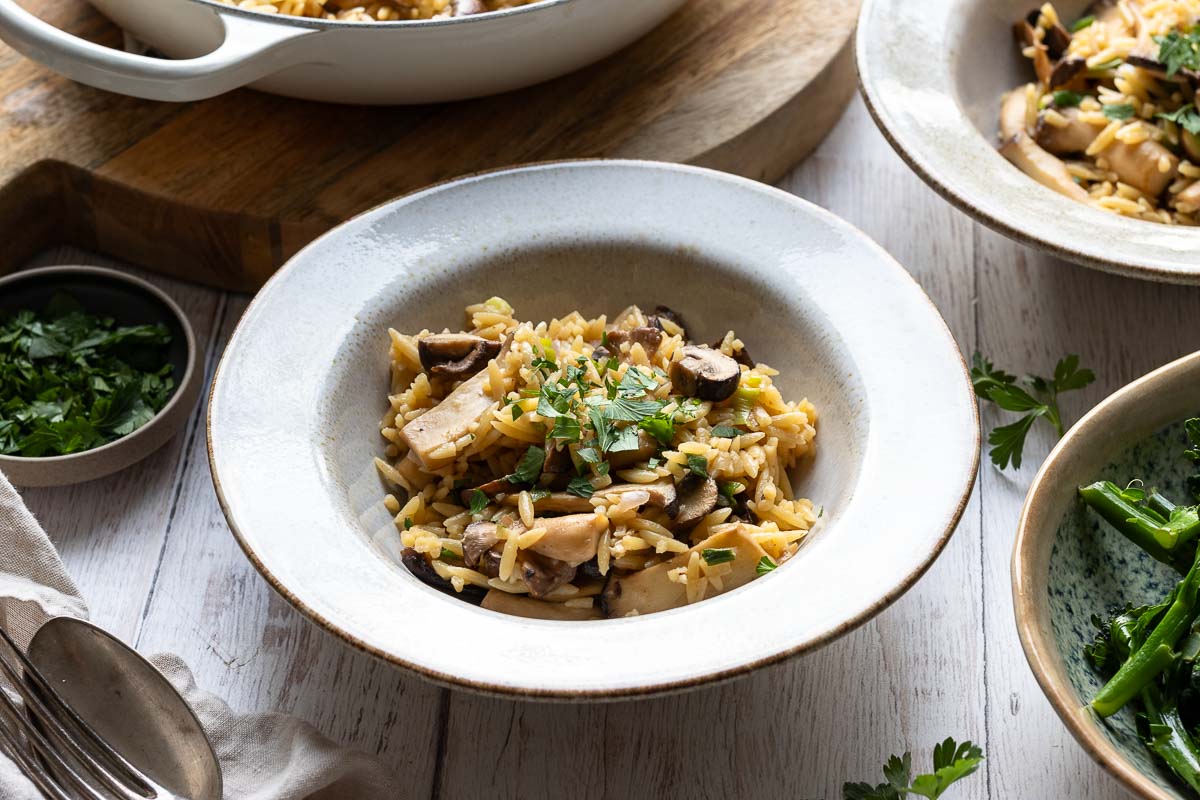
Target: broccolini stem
point(1156, 653)
point(1160, 505)
point(1135, 523)
point(1169, 738)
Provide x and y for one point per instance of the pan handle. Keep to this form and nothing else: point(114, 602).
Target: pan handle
point(251, 50)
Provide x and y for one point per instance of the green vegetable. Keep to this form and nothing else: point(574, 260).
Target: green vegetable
point(1067, 99)
point(1121, 111)
point(1185, 117)
point(764, 565)
point(516, 412)
point(661, 427)
point(529, 468)
point(1107, 65)
point(718, 555)
point(1159, 537)
point(726, 432)
point(1040, 400)
point(1082, 22)
point(698, 465)
point(581, 487)
point(71, 381)
point(447, 554)
point(479, 501)
point(1179, 51)
point(566, 429)
point(951, 762)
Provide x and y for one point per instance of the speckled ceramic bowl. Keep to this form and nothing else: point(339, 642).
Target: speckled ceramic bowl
point(932, 73)
point(1069, 565)
point(294, 418)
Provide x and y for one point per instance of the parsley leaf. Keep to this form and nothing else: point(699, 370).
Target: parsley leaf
point(529, 468)
point(726, 432)
point(1121, 111)
point(764, 565)
point(1067, 99)
point(1179, 51)
point(565, 428)
point(1107, 65)
point(718, 555)
point(951, 762)
point(1039, 400)
point(1185, 117)
point(1082, 22)
point(479, 501)
point(698, 465)
point(581, 487)
point(661, 427)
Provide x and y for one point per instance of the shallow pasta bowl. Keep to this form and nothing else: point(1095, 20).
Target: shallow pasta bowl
point(216, 48)
point(933, 73)
point(294, 417)
point(1068, 566)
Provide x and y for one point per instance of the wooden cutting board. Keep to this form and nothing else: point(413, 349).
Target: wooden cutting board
point(223, 191)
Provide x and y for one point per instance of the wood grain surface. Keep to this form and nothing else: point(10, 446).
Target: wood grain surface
point(222, 192)
point(159, 567)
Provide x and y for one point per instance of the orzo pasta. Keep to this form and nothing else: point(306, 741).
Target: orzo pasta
point(376, 10)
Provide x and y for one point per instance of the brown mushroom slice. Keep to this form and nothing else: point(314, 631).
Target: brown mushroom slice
point(521, 606)
point(649, 338)
point(1074, 137)
point(1043, 167)
point(572, 538)
point(1012, 113)
point(1066, 71)
point(555, 503)
point(456, 355)
point(647, 447)
point(705, 373)
point(456, 416)
point(670, 315)
point(478, 538)
point(1041, 59)
point(650, 590)
point(420, 567)
point(543, 575)
point(1138, 165)
point(695, 498)
point(492, 489)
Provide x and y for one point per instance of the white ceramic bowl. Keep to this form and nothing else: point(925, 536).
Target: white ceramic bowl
point(219, 48)
point(293, 422)
point(932, 74)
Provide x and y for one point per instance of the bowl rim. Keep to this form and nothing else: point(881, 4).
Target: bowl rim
point(659, 688)
point(335, 24)
point(913, 151)
point(177, 395)
point(1036, 643)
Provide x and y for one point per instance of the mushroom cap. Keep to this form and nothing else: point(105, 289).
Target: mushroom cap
point(695, 498)
point(456, 355)
point(705, 373)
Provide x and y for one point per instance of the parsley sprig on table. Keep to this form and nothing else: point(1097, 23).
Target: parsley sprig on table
point(951, 762)
point(1036, 399)
point(71, 381)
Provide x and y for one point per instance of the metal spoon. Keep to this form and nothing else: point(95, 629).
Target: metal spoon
point(129, 704)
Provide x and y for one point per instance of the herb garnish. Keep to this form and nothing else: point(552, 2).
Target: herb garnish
point(1107, 65)
point(951, 762)
point(1185, 117)
point(726, 432)
point(718, 555)
point(529, 468)
point(1179, 51)
point(1065, 98)
point(1119, 111)
point(764, 565)
point(698, 465)
point(1040, 400)
point(581, 487)
point(71, 381)
point(479, 501)
point(1082, 22)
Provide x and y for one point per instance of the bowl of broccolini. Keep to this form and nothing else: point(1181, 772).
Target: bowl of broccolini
point(1106, 582)
point(98, 369)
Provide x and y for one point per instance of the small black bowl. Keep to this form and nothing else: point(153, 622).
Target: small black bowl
point(129, 301)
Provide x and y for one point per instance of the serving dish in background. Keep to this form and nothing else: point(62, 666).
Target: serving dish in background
point(295, 409)
point(215, 48)
point(130, 301)
point(1068, 565)
point(932, 75)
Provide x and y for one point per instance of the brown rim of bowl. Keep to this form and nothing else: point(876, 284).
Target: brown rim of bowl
point(964, 204)
point(313, 22)
point(176, 396)
point(1039, 652)
point(454, 682)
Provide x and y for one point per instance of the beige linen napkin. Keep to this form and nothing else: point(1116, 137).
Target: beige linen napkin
point(263, 756)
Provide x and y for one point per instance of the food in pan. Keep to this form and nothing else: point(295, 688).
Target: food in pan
point(376, 10)
point(1148, 653)
point(1111, 119)
point(582, 468)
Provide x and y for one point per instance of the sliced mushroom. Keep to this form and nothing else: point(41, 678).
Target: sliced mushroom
point(1012, 113)
point(492, 489)
point(1066, 71)
point(1041, 58)
point(557, 469)
point(650, 590)
point(520, 606)
point(543, 575)
point(555, 503)
point(420, 567)
point(741, 356)
point(572, 538)
point(456, 355)
point(1057, 37)
point(670, 315)
point(649, 338)
point(478, 538)
point(1139, 165)
point(647, 447)
point(457, 415)
point(1191, 144)
point(1043, 167)
point(695, 498)
point(1074, 137)
point(705, 373)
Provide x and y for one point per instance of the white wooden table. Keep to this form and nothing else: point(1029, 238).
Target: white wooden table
point(158, 566)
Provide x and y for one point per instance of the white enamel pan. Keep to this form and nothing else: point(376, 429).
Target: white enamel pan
point(214, 48)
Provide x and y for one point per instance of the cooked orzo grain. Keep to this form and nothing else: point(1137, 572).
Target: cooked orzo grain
point(376, 11)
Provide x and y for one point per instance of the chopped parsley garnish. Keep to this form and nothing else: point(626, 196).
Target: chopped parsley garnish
point(764, 565)
point(566, 429)
point(661, 427)
point(581, 487)
point(1067, 99)
point(718, 555)
point(1082, 22)
point(1120, 112)
point(1179, 51)
point(447, 553)
point(731, 488)
point(516, 412)
point(538, 494)
point(1185, 117)
point(529, 467)
point(698, 465)
point(71, 381)
point(1107, 65)
point(408, 523)
point(726, 432)
point(588, 455)
point(479, 501)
